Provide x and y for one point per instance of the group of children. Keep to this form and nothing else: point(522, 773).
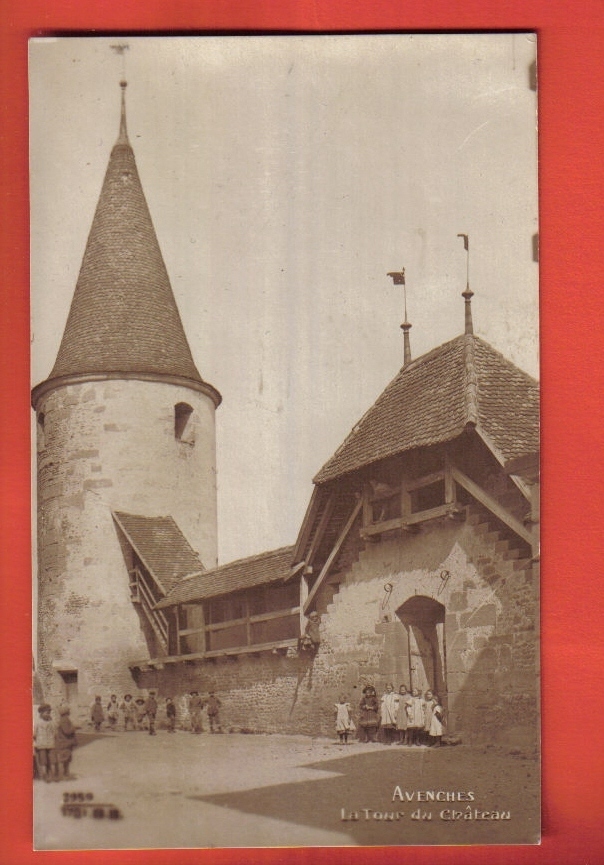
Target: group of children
point(141, 714)
point(53, 743)
point(407, 718)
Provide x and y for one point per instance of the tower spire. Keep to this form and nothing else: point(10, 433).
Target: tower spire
point(467, 294)
point(398, 278)
point(123, 135)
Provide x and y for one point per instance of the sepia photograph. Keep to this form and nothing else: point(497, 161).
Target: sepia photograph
point(285, 432)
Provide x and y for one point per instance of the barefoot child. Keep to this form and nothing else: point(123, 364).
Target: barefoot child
point(344, 722)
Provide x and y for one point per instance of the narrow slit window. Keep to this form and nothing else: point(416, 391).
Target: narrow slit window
point(183, 423)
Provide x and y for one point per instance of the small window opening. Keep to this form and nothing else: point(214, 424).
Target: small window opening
point(70, 684)
point(183, 423)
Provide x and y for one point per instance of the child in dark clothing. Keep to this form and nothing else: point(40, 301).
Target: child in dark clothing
point(97, 716)
point(151, 711)
point(369, 716)
point(213, 705)
point(311, 638)
point(170, 714)
point(195, 707)
point(65, 742)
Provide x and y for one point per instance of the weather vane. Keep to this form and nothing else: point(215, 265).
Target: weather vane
point(398, 278)
point(467, 294)
point(121, 49)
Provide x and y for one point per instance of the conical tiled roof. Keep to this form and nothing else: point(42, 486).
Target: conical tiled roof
point(123, 316)
point(434, 398)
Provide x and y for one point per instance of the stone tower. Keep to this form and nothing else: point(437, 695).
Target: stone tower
point(125, 425)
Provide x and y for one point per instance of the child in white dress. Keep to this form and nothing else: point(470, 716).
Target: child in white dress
point(344, 722)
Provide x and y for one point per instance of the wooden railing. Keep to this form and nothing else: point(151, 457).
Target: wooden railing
point(141, 594)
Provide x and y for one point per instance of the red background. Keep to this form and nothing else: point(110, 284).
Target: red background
point(571, 133)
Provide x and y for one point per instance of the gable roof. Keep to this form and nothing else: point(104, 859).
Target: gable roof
point(432, 401)
point(123, 316)
point(257, 570)
point(161, 546)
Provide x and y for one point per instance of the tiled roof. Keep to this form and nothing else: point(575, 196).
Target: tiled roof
point(234, 576)
point(161, 546)
point(123, 315)
point(431, 401)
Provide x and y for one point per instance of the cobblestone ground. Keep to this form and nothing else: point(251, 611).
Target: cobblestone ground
point(234, 790)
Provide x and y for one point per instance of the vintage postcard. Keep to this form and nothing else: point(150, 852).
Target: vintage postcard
point(284, 354)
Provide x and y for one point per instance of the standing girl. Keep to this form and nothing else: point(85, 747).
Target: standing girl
point(402, 719)
point(436, 724)
point(389, 710)
point(369, 716)
point(429, 703)
point(415, 715)
point(344, 722)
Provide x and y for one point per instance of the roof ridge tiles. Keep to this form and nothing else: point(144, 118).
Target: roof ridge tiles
point(434, 398)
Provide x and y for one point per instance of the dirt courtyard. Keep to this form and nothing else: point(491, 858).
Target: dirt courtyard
point(236, 790)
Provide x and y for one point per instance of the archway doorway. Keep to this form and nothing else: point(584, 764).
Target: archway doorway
point(426, 661)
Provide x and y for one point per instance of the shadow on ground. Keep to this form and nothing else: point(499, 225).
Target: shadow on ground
point(368, 781)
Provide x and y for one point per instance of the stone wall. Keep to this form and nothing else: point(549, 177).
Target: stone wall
point(104, 446)
point(490, 599)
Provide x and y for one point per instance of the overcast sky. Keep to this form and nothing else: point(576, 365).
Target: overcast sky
point(285, 176)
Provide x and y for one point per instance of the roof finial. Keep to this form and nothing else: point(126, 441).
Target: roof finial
point(398, 278)
point(123, 136)
point(467, 294)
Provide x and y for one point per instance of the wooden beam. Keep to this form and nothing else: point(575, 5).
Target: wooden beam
point(425, 481)
point(178, 647)
point(492, 505)
point(303, 597)
point(259, 617)
point(332, 556)
point(307, 524)
point(449, 482)
point(386, 526)
point(215, 653)
point(429, 514)
point(322, 525)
